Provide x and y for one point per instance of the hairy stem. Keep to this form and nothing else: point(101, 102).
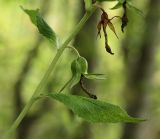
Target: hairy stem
point(44, 80)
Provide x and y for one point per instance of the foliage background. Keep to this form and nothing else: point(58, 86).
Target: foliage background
point(18, 37)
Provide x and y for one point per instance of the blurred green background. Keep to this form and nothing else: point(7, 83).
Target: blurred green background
point(133, 73)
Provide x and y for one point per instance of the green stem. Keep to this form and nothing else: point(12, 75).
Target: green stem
point(75, 50)
point(44, 80)
point(66, 85)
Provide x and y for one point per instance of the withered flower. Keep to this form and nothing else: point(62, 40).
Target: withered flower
point(103, 24)
point(124, 17)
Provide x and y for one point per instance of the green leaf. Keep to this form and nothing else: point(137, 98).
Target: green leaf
point(76, 73)
point(136, 10)
point(42, 26)
point(75, 80)
point(94, 110)
point(32, 14)
point(118, 5)
point(95, 76)
point(78, 67)
point(83, 64)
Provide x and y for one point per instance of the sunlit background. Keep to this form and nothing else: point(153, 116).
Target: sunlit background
point(133, 72)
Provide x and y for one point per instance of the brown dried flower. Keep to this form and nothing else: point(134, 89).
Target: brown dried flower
point(103, 24)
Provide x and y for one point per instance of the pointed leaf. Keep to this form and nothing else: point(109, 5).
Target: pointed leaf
point(95, 76)
point(42, 26)
point(118, 5)
point(112, 28)
point(32, 14)
point(94, 110)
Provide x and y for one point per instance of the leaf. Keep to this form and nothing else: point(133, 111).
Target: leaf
point(83, 64)
point(42, 26)
point(95, 76)
point(117, 6)
point(136, 10)
point(78, 67)
point(75, 80)
point(94, 110)
point(75, 67)
point(32, 14)
point(76, 73)
point(112, 28)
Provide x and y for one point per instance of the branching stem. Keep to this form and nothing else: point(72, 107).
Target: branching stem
point(44, 80)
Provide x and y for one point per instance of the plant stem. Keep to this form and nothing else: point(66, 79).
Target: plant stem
point(66, 85)
point(44, 80)
point(75, 50)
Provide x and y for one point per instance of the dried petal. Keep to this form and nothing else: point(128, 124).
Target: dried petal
point(104, 16)
point(108, 49)
point(105, 22)
point(99, 29)
point(124, 22)
point(112, 28)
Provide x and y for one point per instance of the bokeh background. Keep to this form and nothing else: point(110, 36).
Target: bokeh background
point(133, 73)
